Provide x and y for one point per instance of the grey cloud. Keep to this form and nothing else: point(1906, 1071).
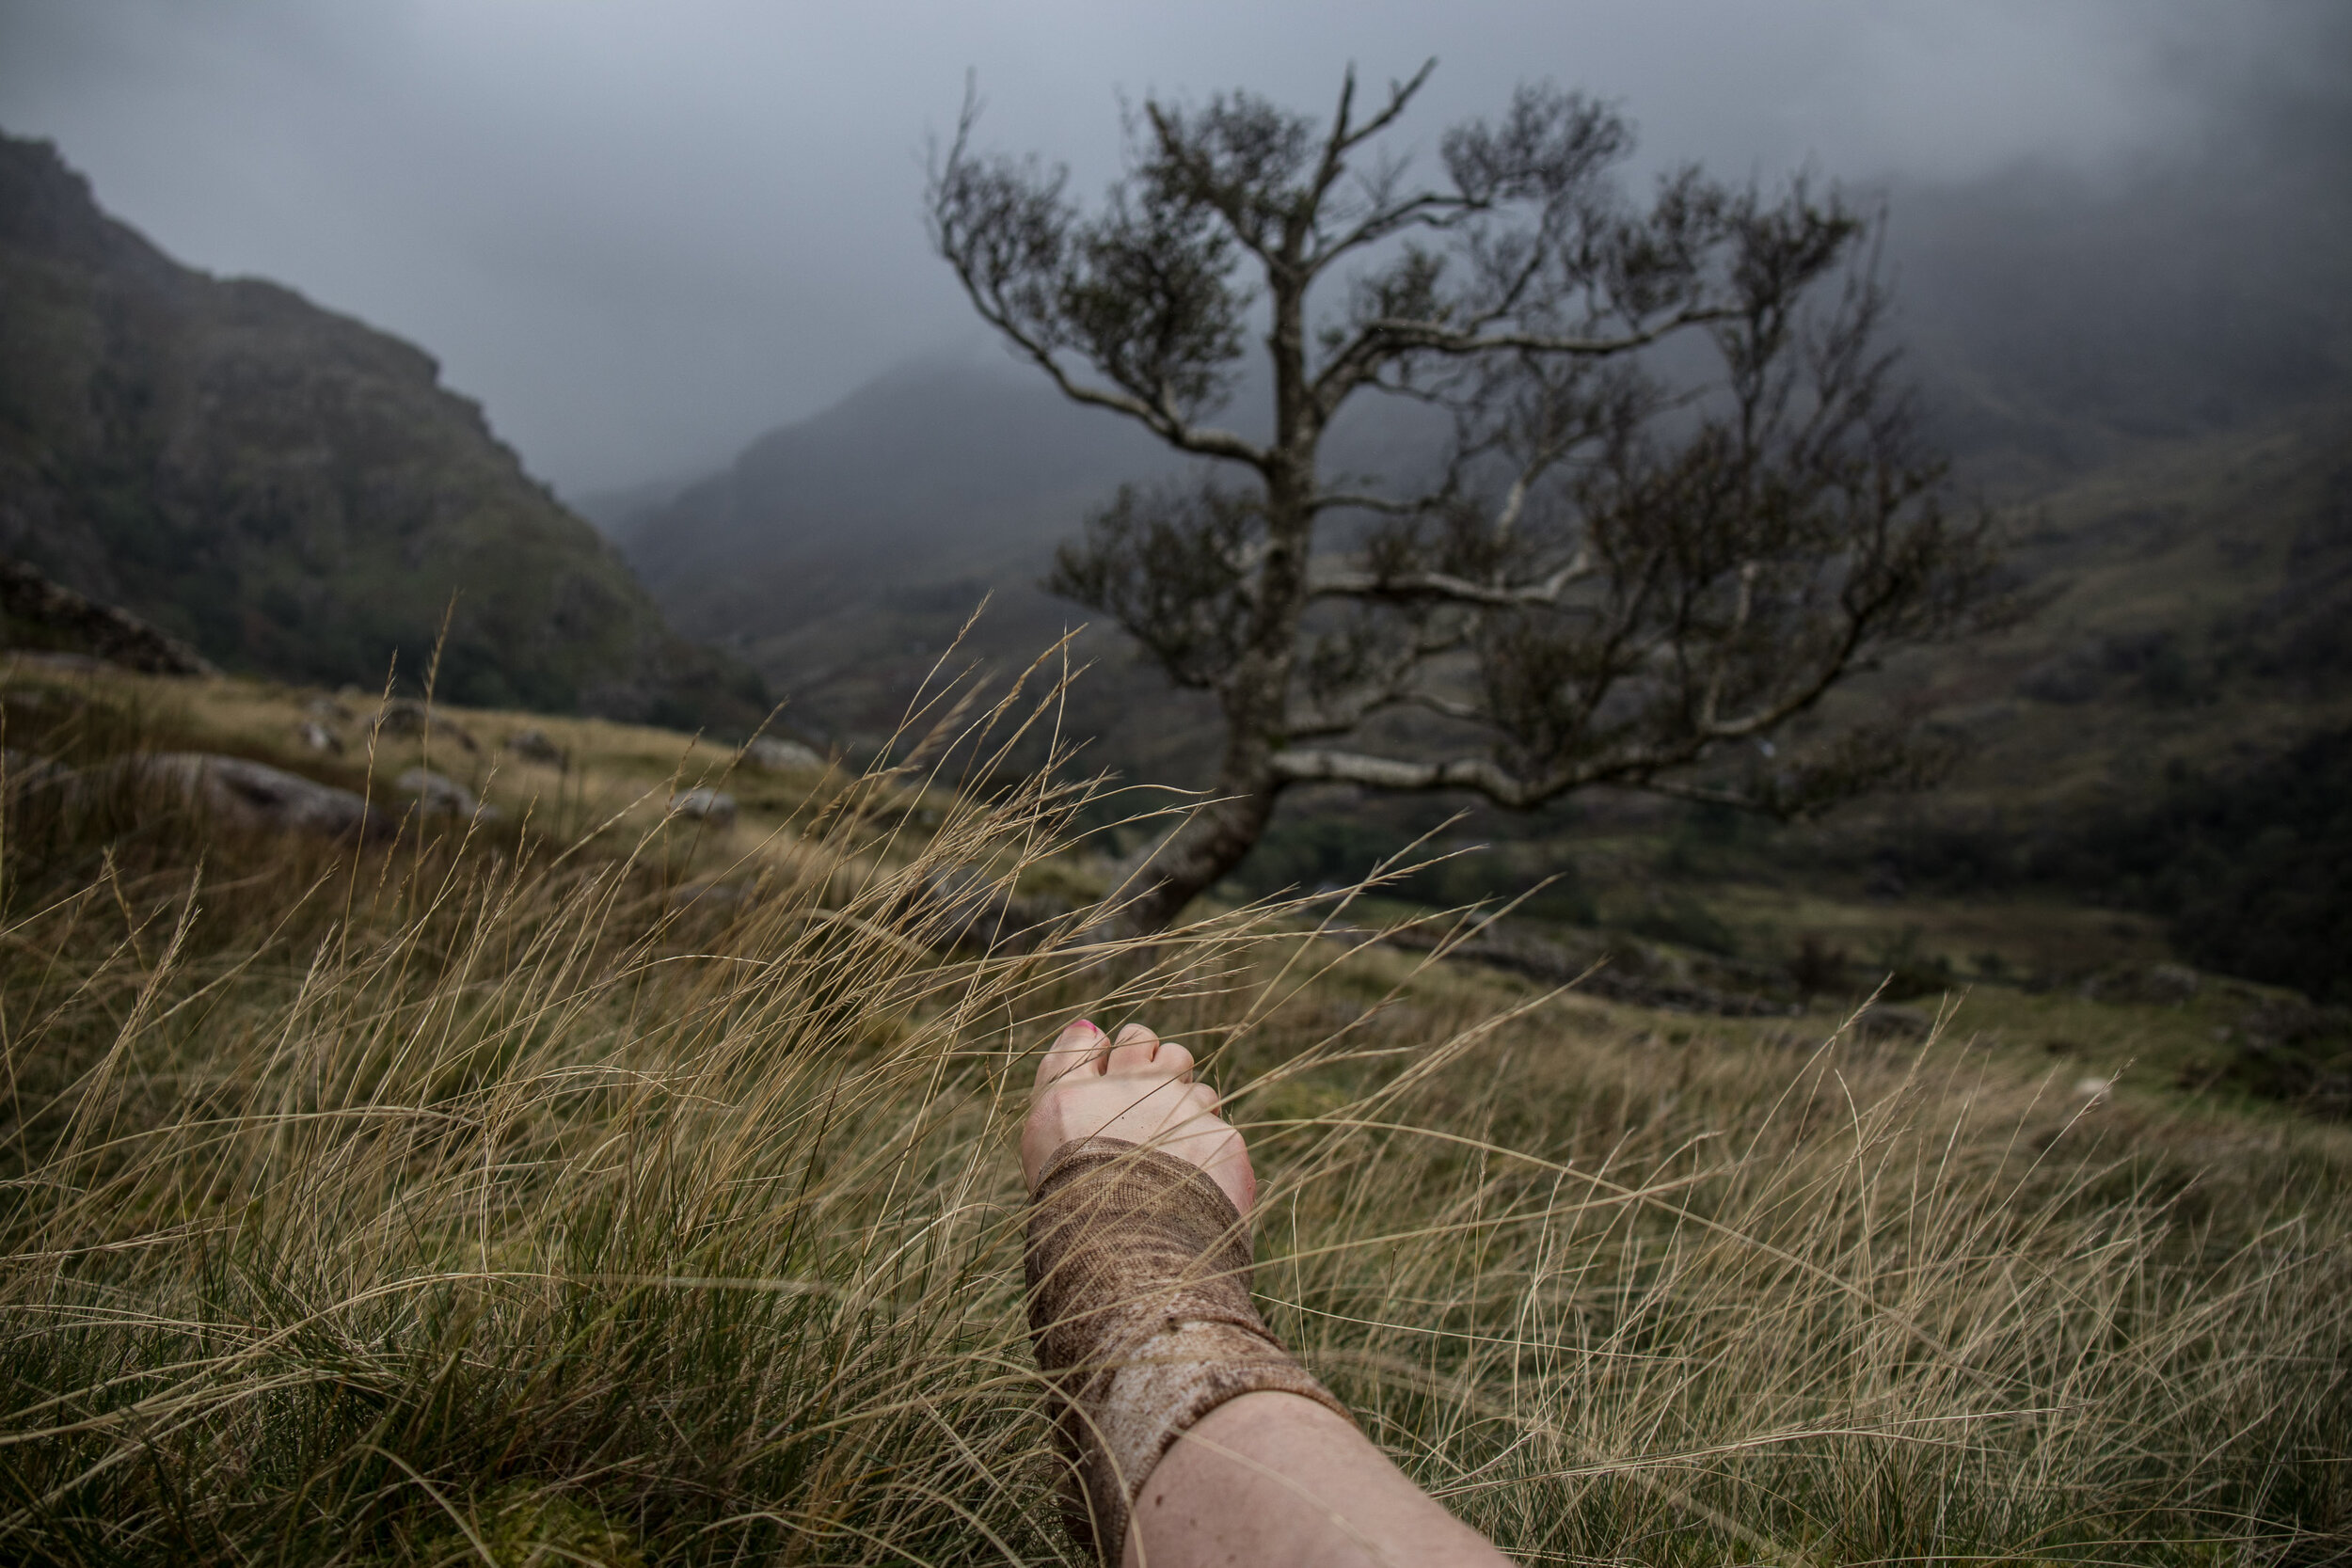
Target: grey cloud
point(642, 232)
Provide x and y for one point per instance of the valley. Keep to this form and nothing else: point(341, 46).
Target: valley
point(2188, 597)
point(520, 1009)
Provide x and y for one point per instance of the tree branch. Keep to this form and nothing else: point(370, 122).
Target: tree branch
point(1298, 764)
point(1344, 138)
point(1481, 775)
point(1428, 210)
point(1331, 583)
point(1329, 501)
point(1401, 94)
point(1445, 706)
point(1160, 419)
point(1399, 336)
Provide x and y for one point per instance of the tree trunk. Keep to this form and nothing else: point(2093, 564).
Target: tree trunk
point(1255, 694)
point(1256, 691)
point(1256, 697)
point(1197, 855)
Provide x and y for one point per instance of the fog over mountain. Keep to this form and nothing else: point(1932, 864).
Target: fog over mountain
point(643, 235)
point(677, 252)
point(2050, 311)
point(2054, 318)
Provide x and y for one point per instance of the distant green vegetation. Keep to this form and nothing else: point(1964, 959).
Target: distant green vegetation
point(2252, 867)
point(2167, 746)
point(2254, 874)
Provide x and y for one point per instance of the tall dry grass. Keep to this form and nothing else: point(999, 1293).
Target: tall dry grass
point(491, 1203)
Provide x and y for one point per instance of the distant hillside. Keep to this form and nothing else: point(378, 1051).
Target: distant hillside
point(2061, 319)
point(2198, 614)
point(2141, 742)
point(2173, 732)
point(840, 555)
point(959, 462)
point(291, 491)
point(2061, 325)
point(2149, 362)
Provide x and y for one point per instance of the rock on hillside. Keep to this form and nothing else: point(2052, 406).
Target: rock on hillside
point(35, 612)
point(291, 491)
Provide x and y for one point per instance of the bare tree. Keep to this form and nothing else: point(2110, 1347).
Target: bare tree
point(1682, 497)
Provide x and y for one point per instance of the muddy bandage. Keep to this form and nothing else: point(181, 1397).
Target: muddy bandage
point(1139, 1308)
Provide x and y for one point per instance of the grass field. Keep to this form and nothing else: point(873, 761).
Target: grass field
point(491, 1198)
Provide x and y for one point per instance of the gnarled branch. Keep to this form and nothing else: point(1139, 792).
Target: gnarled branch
point(1331, 582)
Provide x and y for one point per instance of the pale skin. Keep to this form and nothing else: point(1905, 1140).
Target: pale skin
point(1266, 1478)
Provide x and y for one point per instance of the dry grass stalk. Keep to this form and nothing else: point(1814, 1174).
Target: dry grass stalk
point(469, 1203)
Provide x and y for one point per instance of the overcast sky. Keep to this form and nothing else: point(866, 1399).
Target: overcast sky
point(642, 231)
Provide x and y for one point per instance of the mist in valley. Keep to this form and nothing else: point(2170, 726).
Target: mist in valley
point(681, 264)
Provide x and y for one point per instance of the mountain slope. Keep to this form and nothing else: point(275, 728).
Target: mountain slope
point(2173, 733)
point(940, 468)
point(291, 491)
point(2199, 599)
point(842, 555)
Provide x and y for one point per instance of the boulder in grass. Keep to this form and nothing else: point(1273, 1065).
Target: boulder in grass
point(437, 794)
point(255, 796)
point(22, 773)
point(317, 736)
point(780, 755)
point(533, 745)
point(1885, 1023)
point(714, 806)
point(404, 715)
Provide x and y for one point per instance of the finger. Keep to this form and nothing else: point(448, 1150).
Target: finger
point(1133, 1049)
point(1079, 1046)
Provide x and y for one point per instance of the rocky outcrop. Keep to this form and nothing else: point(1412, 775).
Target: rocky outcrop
point(237, 792)
point(715, 807)
point(438, 795)
point(780, 755)
point(258, 798)
point(51, 615)
point(402, 719)
point(533, 745)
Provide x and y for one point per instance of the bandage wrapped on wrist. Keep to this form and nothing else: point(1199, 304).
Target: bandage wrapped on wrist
point(1139, 1310)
